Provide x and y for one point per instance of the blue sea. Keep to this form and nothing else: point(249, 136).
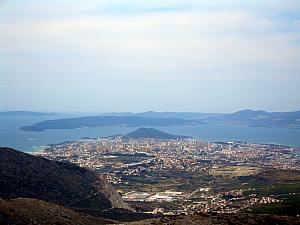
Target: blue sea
point(12, 136)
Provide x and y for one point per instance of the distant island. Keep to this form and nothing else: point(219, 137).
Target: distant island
point(153, 133)
point(105, 121)
point(247, 117)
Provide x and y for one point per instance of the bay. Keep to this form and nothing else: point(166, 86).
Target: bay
point(12, 136)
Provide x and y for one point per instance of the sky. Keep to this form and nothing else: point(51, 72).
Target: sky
point(140, 55)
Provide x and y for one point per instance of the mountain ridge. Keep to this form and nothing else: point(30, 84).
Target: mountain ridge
point(258, 118)
point(26, 113)
point(155, 114)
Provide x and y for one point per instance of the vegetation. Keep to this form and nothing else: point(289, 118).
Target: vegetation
point(221, 219)
point(290, 206)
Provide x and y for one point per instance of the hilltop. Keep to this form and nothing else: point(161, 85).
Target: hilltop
point(153, 133)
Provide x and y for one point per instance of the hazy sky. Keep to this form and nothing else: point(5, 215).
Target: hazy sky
point(139, 55)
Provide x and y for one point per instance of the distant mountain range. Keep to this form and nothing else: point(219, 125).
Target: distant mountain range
point(179, 115)
point(153, 133)
point(25, 113)
point(163, 119)
point(258, 119)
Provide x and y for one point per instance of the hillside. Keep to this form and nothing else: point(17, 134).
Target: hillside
point(26, 211)
point(152, 133)
point(23, 175)
point(102, 121)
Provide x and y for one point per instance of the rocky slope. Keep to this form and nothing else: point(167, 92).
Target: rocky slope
point(27, 176)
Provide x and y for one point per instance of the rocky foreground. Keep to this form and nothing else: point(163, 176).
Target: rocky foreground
point(23, 211)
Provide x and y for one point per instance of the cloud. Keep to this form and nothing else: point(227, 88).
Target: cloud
point(184, 39)
point(153, 46)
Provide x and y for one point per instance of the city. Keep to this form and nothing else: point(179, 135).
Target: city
point(185, 175)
